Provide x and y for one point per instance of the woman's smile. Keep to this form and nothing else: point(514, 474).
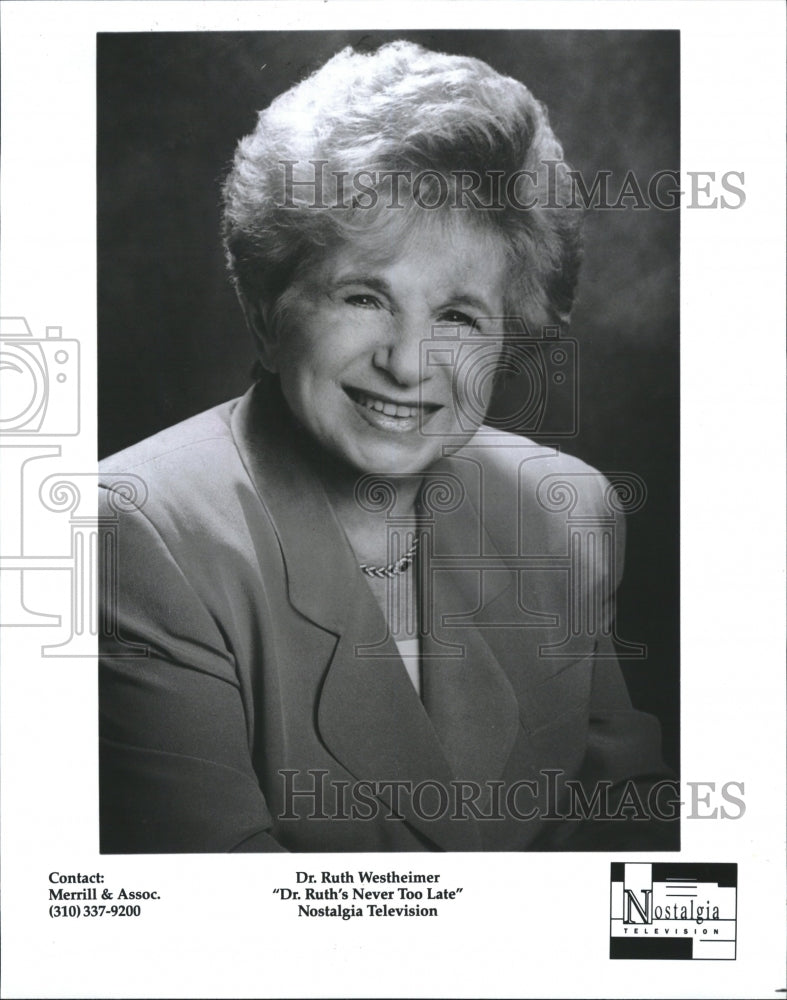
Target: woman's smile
point(388, 414)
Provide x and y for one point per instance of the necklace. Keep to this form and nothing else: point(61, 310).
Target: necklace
point(394, 568)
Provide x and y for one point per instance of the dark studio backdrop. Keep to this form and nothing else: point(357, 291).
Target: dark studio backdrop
point(172, 340)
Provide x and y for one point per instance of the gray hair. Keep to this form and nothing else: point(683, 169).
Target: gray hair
point(452, 133)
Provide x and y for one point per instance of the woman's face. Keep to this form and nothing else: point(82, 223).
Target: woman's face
point(364, 365)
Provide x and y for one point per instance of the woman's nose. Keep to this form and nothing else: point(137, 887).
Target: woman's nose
point(399, 355)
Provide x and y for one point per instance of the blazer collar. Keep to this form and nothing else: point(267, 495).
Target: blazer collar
point(322, 572)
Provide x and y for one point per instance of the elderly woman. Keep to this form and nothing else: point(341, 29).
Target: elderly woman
point(344, 614)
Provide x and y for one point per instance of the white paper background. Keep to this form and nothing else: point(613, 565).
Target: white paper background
point(525, 925)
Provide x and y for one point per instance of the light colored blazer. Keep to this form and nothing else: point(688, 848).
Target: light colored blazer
point(251, 699)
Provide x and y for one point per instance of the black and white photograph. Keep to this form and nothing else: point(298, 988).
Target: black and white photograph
point(376, 599)
point(392, 499)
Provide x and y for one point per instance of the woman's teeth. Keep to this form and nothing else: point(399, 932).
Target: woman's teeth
point(389, 409)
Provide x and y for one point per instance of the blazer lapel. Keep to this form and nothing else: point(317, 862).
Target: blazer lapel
point(374, 723)
point(466, 691)
point(320, 566)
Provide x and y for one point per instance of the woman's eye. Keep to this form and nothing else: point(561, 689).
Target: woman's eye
point(456, 317)
point(363, 301)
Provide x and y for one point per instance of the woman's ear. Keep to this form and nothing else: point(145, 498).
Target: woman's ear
point(265, 337)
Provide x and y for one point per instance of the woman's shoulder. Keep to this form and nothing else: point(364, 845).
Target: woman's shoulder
point(173, 446)
point(526, 490)
point(535, 471)
point(186, 475)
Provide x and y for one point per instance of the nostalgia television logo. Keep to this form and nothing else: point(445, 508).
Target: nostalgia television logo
point(673, 911)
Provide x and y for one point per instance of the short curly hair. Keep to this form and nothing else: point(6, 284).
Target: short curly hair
point(320, 167)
